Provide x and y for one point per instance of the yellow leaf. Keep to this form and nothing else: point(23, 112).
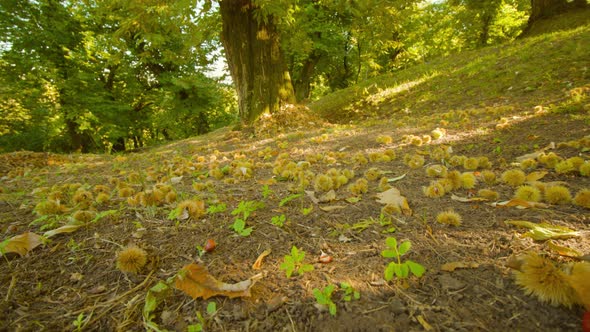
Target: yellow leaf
point(521, 204)
point(452, 266)
point(563, 251)
point(423, 322)
point(393, 196)
point(466, 199)
point(544, 231)
point(534, 176)
point(258, 263)
point(194, 280)
point(22, 244)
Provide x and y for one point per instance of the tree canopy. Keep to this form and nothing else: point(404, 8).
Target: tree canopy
point(112, 75)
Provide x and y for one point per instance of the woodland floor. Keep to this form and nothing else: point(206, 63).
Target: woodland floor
point(75, 273)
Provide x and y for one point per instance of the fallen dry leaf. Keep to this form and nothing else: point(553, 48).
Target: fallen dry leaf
point(21, 244)
point(194, 280)
point(467, 199)
point(544, 231)
point(563, 251)
point(328, 197)
point(258, 263)
point(394, 197)
point(520, 204)
point(452, 266)
point(535, 176)
point(311, 196)
point(63, 229)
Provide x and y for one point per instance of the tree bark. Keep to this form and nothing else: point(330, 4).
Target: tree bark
point(302, 83)
point(255, 60)
point(541, 9)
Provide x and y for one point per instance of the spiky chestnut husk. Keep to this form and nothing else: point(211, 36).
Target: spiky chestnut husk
point(576, 162)
point(384, 184)
point(563, 167)
point(488, 177)
point(582, 198)
point(131, 259)
point(101, 188)
point(323, 183)
point(455, 178)
point(471, 163)
point(361, 186)
point(557, 195)
point(84, 216)
point(578, 277)
point(49, 207)
point(488, 194)
point(484, 162)
point(468, 180)
point(391, 209)
point(384, 139)
point(373, 174)
point(449, 217)
point(457, 160)
point(513, 177)
point(436, 171)
point(390, 153)
point(538, 276)
point(585, 169)
point(438, 133)
point(434, 190)
point(194, 208)
point(528, 193)
point(415, 161)
point(528, 164)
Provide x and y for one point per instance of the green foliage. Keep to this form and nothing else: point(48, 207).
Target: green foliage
point(289, 198)
point(294, 263)
point(324, 297)
point(239, 226)
point(242, 212)
point(349, 292)
point(399, 268)
point(266, 191)
point(216, 208)
point(279, 220)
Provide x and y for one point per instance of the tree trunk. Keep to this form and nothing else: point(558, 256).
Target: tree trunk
point(302, 83)
point(255, 60)
point(541, 9)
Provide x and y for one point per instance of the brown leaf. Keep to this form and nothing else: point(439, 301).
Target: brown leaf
point(194, 280)
point(258, 263)
point(311, 196)
point(22, 244)
point(452, 266)
point(328, 197)
point(394, 197)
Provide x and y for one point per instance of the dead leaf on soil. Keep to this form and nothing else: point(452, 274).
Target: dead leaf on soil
point(535, 176)
point(311, 196)
point(63, 229)
point(393, 196)
point(328, 197)
point(452, 266)
point(563, 251)
point(258, 263)
point(396, 178)
point(520, 204)
point(467, 199)
point(194, 280)
point(21, 244)
point(332, 208)
point(423, 322)
point(544, 231)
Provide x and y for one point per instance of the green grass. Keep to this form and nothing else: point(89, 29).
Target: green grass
point(488, 82)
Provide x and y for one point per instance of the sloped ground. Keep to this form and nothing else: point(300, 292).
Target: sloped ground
point(74, 276)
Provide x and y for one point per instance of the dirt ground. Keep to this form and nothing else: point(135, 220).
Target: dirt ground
point(74, 275)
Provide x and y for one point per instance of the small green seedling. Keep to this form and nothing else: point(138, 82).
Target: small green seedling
point(200, 326)
point(289, 198)
point(239, 226)
point(349, 292)
point(324, 298)
point(401, 270)
point(266, 191)
point(80, 321)
point(245, 208)
point(307, 211)
point(294, 263)
point(278, 221)
point(216, 208)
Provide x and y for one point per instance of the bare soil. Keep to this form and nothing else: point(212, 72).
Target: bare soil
point(75, 273)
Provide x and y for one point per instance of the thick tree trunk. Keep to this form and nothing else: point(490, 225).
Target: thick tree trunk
point(255, 60)
point(541, 9)
point(302, 83)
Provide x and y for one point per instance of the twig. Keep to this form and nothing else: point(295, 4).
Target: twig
point(375, 309)
point(291, 320)
point(10, 288)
